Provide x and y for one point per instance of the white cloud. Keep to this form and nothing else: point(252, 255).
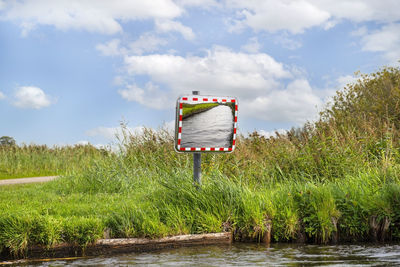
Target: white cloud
point(296, 103)
point(385, 40)
point(149, 96)
point(221, 70)
point(297, 16)
point(197, 3)
point(111, 48)
point(105, 16)
point(257, 79)
point(2, 96)
point(272, 15)
point(253, 46)
point(147, 42)
point(100, 16)
point(31, 97)
point(361, 10)
point(175, 26)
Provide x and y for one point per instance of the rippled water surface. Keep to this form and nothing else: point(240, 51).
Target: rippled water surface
point(211, 128)
point(240, 254)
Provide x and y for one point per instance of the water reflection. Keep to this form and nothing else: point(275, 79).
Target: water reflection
point(240, 254)
point(211, 128)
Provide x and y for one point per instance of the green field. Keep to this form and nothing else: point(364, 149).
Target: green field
point(190, 109)
point(333, 180)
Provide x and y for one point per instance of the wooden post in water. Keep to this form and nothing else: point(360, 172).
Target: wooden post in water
point(196, 161)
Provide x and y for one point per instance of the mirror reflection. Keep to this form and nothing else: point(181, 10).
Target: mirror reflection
point(207, 124)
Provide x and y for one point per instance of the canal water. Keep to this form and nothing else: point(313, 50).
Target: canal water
point(239, 254)
point(211, 128)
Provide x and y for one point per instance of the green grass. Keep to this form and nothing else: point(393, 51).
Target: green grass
point(40, 160)
point(334, 180)
point(189, 109)
point(120, 202)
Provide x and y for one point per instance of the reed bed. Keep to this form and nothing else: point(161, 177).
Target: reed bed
point(336, 180)
point(41, 160)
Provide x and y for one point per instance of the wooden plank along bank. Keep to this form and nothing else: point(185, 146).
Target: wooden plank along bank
point(122, 245)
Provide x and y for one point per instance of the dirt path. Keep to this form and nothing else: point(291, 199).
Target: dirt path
point(27, 180)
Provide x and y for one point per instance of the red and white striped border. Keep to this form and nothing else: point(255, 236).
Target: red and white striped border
point(204, 99)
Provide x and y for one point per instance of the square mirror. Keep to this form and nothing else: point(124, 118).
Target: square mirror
point(206, 124)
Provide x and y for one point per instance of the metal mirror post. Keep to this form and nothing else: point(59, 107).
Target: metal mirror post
point(196, 160)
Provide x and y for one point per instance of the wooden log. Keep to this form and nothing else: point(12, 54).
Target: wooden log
point(125, 245)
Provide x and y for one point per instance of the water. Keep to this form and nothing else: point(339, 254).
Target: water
point(240, 254)
point(211, 128)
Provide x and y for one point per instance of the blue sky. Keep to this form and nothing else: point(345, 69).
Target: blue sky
point(70, 71)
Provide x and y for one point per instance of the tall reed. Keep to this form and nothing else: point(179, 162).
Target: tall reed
point(41, 160)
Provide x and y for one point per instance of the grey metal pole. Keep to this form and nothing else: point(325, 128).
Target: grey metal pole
point(197, 169)
point(196, 161)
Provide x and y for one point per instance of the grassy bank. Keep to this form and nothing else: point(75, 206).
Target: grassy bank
point(189, 109)
point(115, 201)
point(334, 180)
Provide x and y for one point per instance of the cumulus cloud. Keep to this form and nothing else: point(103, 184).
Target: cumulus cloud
point(147, 42)
point(295, 103)
point(150, 96)
point(197, 3)
point(101, 16)
point(385, 40)
point(272, 16)
point(2, 96)
point(257, 79)
point(31, 97)
point(297, 16)
point(175, 26)
point(360, 10)
point(221, 70)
